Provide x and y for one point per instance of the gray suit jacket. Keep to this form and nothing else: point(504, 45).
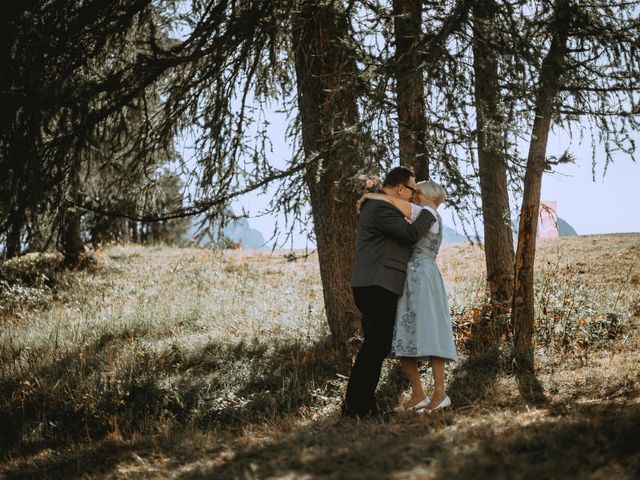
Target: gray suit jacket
point(383, 245)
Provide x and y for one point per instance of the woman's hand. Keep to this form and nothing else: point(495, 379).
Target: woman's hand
point(360, 202)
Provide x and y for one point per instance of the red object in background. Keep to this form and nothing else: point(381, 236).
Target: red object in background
point(548, 220)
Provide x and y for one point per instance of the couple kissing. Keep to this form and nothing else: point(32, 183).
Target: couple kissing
point(399, 291)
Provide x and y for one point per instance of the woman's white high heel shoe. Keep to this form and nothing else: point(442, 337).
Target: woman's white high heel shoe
point(420, 405)
point(446, 403)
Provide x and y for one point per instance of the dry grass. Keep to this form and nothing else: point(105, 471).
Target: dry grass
point(187, 363)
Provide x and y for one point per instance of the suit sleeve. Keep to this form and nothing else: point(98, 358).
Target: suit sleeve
point(391, 222)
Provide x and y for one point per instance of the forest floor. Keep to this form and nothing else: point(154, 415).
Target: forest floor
point(157, 362)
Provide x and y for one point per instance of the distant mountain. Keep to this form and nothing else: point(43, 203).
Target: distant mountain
point(235, 233)
point(241, 233)
point(449, 235)
point(565, 229)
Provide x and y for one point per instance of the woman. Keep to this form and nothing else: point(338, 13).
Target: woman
point(423, 323)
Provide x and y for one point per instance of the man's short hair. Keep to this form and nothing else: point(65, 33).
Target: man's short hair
point(398, 176)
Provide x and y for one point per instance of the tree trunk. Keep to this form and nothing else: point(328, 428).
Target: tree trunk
point(14, 232)
point(71, 240)
point(523, 295)
point(133, 227)
point(325, 72)
point(412, 123)
point(492, 165)
point(70, 237)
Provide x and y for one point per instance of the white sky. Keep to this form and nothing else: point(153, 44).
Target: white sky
point(606, 205)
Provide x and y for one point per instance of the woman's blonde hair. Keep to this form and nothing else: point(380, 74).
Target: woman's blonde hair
point(432, 190)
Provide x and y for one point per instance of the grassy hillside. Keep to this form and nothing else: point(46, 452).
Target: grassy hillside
point(187, 363)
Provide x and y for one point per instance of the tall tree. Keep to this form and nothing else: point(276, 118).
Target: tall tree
point(590, 63)
point(51, 100)
point(412, 121)
point(551, 71)
point(491, 130)
point(327, 100)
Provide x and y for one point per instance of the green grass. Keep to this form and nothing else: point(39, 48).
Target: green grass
point(186, 363)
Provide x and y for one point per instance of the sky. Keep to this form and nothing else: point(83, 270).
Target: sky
point(610, 204)
point(590, 204)
point(604, 204)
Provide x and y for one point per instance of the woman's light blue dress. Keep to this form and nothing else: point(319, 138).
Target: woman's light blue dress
point(423, 322)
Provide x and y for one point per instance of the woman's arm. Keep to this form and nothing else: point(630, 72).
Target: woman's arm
point(402, 205)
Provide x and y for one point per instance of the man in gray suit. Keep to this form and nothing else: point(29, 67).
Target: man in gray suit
point(384, 242)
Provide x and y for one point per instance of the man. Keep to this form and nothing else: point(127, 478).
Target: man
point(384, 242)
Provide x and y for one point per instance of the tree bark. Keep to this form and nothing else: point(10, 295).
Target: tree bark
point(133, 228)
point(523, 295)
point(70, 236)
point(492, 166)
point(412, 124)
point(325, 71)
point(14, 232)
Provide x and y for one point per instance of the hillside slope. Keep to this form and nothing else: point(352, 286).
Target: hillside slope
point(189, 363)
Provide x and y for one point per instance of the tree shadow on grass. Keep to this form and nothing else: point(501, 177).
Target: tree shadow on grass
point(591, 439)
point(530, 388)
point(40, 398)
point(90, 461)
point(475, 377)
point(567, 441)
point(575, 441)
point(152, 391)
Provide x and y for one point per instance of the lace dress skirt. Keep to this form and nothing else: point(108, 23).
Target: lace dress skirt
point(423, 322)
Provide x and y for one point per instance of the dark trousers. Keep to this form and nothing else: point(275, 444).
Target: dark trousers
point(378, 308)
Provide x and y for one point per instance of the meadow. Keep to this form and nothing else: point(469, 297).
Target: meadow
point(159, 362)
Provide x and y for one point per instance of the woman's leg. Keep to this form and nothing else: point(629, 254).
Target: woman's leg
point(437, 369)
point(410, 369)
